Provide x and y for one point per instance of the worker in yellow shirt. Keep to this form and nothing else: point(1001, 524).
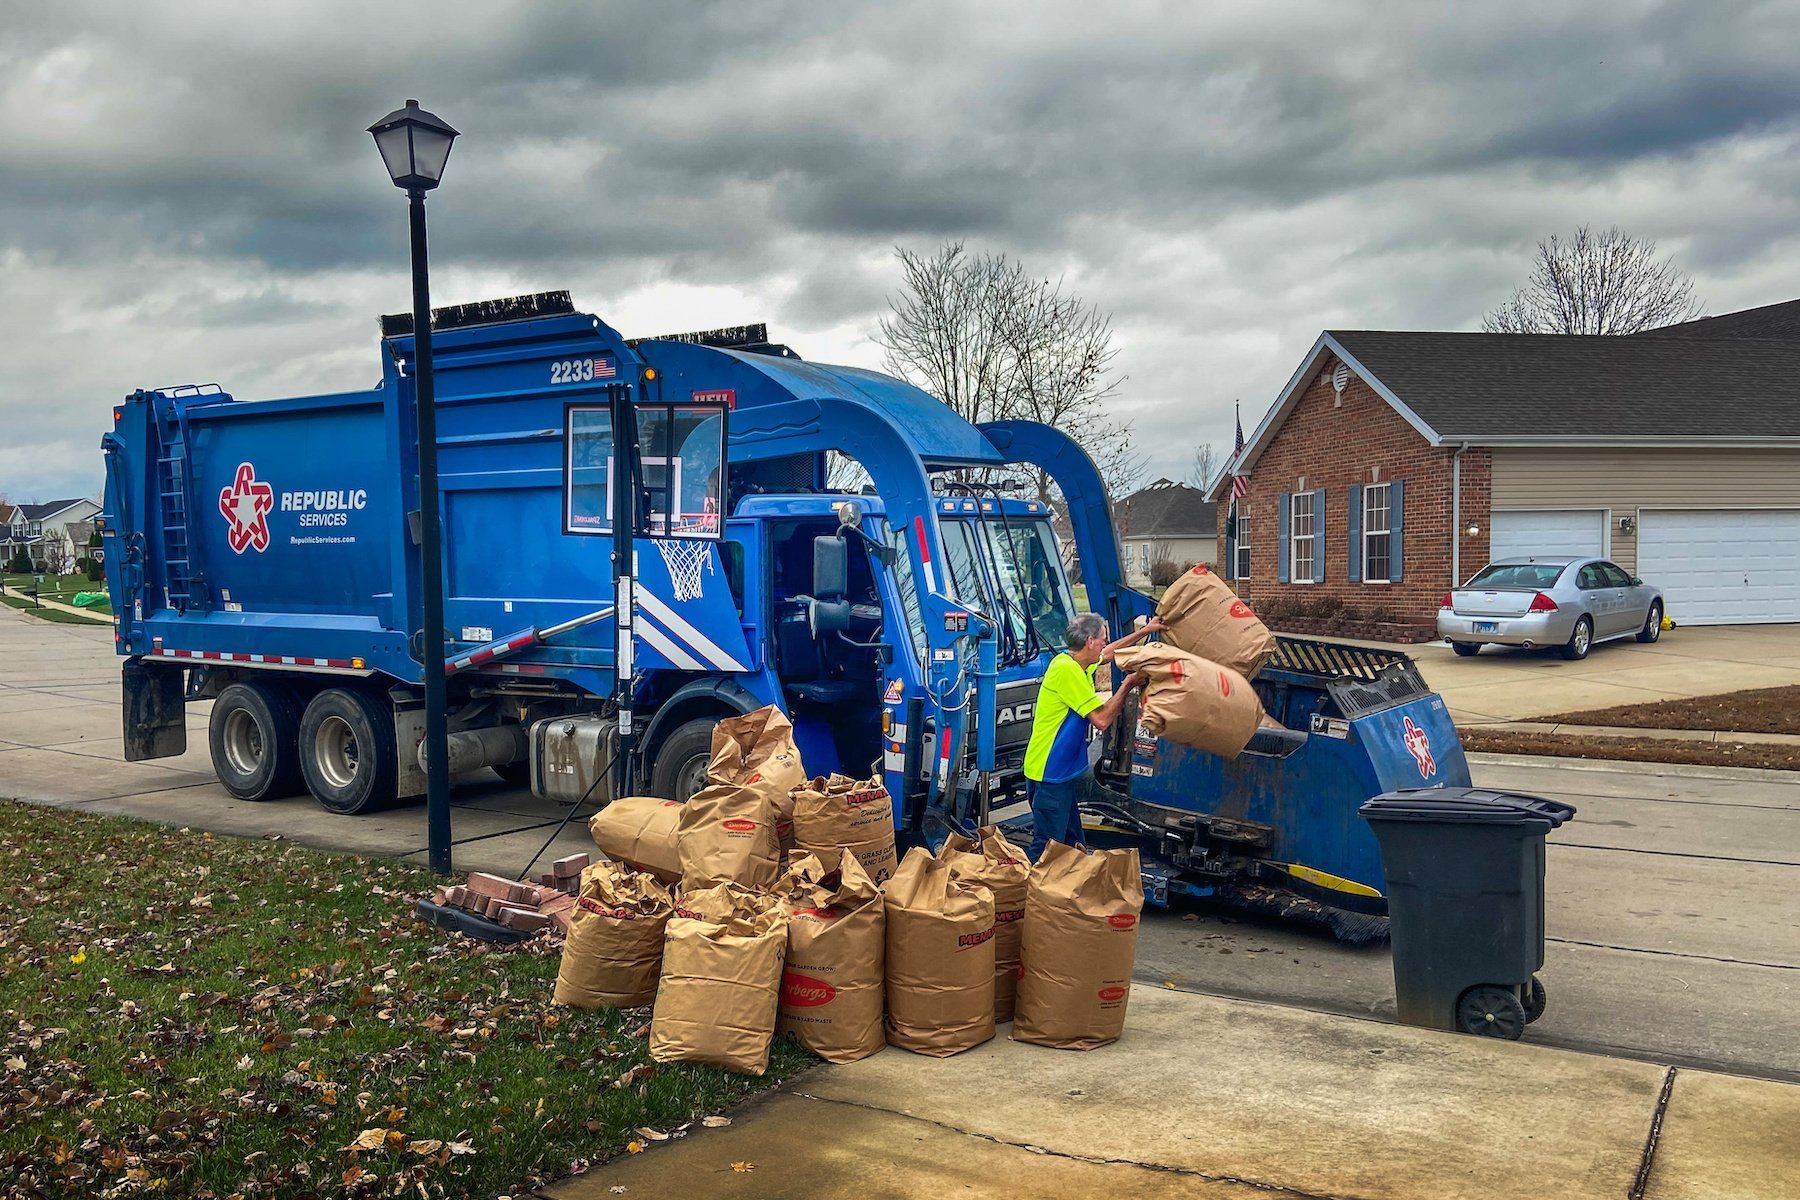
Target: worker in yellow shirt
point(1068, 707)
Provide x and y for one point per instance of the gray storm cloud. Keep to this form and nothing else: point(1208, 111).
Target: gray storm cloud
point(186, 191)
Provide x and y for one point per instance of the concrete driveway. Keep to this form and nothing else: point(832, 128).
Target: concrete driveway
point(1502, 684)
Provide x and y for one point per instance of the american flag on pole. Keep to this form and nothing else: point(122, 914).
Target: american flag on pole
point(1240, 484)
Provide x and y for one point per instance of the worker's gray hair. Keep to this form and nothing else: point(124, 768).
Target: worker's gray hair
point(1087, 625)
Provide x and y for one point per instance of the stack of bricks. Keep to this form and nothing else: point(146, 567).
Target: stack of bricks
point(523, 906)
point(564, 874)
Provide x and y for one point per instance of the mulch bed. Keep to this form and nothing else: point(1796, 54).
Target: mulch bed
point(1760, 710)
point(1629, 749)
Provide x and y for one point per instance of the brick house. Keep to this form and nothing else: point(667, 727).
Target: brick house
point(1396, 464)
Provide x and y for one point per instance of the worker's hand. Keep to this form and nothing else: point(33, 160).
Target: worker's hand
point(1138, 680)
point(1154, 625)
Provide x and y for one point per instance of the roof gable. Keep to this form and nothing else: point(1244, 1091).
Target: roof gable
point(40, 512)
point(1167, 509)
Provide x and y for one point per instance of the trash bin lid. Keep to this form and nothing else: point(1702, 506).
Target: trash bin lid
point(1466, 805)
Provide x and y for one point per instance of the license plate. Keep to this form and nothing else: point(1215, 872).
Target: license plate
point(1487, 627)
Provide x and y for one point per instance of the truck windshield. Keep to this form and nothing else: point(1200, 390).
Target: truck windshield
point(1028, 572)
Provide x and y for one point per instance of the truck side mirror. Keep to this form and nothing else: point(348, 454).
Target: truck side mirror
point(831, 566)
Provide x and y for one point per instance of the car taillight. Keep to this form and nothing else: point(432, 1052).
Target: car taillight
point(1445, 602)
point(1542, 603)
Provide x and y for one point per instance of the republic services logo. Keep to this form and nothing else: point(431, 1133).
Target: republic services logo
point(245, 506)
point(1418, 744)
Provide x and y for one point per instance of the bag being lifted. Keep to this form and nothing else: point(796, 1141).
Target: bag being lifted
point(613, 954)
point(1193, 701)
point(757, 751)
point(639, 831)
point(940, 959)
point(855, 813)
point(832, 985)
point(721, 979)
point(1081, 919)
point(1001, 867)
point(1206, 618)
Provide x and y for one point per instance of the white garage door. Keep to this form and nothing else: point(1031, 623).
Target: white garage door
point(1549, 533)
point(1718, 567)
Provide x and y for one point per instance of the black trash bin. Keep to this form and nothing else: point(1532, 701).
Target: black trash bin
point(1465, 890)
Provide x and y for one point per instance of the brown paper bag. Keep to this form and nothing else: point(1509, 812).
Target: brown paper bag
point(1001, 867)
point(1081, 921)
point(757, 751)
point(640, 832)
point(1206, 618)
point(727, 834)
point(613, 954)
point(721, 979)
point(832, 988)
point(840, 811)
point(940, 959)
point(1193, 701)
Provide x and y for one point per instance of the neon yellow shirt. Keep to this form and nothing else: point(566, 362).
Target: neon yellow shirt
point(1059, 725)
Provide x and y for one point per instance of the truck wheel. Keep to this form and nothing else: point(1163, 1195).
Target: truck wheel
point(254, 737)
point(1491, 1011)
point(1466, 649)
point(680, 768)
point(347, 751)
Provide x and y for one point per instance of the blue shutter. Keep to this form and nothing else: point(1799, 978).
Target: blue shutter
point(1281, 537)
point(1318, 507)
point(1396, 510)
point(1353, 552)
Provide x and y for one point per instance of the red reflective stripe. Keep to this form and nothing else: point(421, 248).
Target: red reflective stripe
point(919, 529)
point(523, 640)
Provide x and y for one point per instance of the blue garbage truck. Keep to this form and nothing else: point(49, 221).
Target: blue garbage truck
point(263, 554)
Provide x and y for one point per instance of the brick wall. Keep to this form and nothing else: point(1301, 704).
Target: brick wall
point(1362, 440)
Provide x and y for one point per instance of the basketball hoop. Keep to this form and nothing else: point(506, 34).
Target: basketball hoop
point(687, 560)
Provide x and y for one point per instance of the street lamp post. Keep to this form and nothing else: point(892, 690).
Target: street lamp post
point(414, 145)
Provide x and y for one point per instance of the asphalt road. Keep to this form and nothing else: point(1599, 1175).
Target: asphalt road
point(1673, 900)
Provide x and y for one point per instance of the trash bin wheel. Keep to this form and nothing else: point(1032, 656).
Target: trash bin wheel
point(1534, 1000)
point(1488, 1010)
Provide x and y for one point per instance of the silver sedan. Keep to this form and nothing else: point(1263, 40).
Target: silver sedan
point(1566, 602)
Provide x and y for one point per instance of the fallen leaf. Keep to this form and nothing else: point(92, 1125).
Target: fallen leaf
point(715, 1122)
point(370, 1139)
point(739, 1167)
point(617, 1189)
point(635, 1148)
point(1169, 983)
point(425, 1146)
point(79, 957)
point(655, 1135)
point(459, 1147)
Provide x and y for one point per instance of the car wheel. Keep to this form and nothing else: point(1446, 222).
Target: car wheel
point(1652, 624)
point(680, 769)
point(347, 751)
point(254, 738)
point(1580, 641)
point(1466, 649)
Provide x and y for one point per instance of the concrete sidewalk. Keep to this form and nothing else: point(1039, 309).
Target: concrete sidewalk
point(1629, 731)
point(1231, 1099)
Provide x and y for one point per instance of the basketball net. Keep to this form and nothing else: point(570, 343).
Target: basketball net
point(689, 558)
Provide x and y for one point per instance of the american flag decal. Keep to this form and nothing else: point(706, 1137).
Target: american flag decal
point(604, 369)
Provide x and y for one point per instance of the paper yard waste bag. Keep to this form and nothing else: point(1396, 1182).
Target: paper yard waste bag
point(1001, 867)
point(613, 954)
point(721, 980)
point(838, 811)
point(1206, 618)
point(640, 832)
point(1081, 923)
point(833, 986)
point(757, 750)
point(940, 959)
point(1192, 701)
point(727, 834)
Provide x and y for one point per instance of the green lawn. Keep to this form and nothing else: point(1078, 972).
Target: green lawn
point(48, 614)
point(63, 588)
point(198, 1016)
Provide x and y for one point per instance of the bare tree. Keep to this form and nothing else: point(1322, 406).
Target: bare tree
point(995, 343)
point(1206, 461)
point(57, 556)
point(1608, 282)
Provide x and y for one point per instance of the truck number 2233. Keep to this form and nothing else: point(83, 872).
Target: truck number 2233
point(581, 370)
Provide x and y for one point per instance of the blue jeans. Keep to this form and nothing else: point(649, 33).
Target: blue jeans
point(1055, 813)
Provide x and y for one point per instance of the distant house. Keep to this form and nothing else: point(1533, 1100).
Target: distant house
point(41, 529)
point(1166, 520)
point(1395, 465)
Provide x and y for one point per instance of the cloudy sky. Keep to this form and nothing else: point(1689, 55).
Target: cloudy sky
point(187, 193)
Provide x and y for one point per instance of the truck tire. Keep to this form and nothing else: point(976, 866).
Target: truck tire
point(347, 751)
point(254, 738)
point(680, 768)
